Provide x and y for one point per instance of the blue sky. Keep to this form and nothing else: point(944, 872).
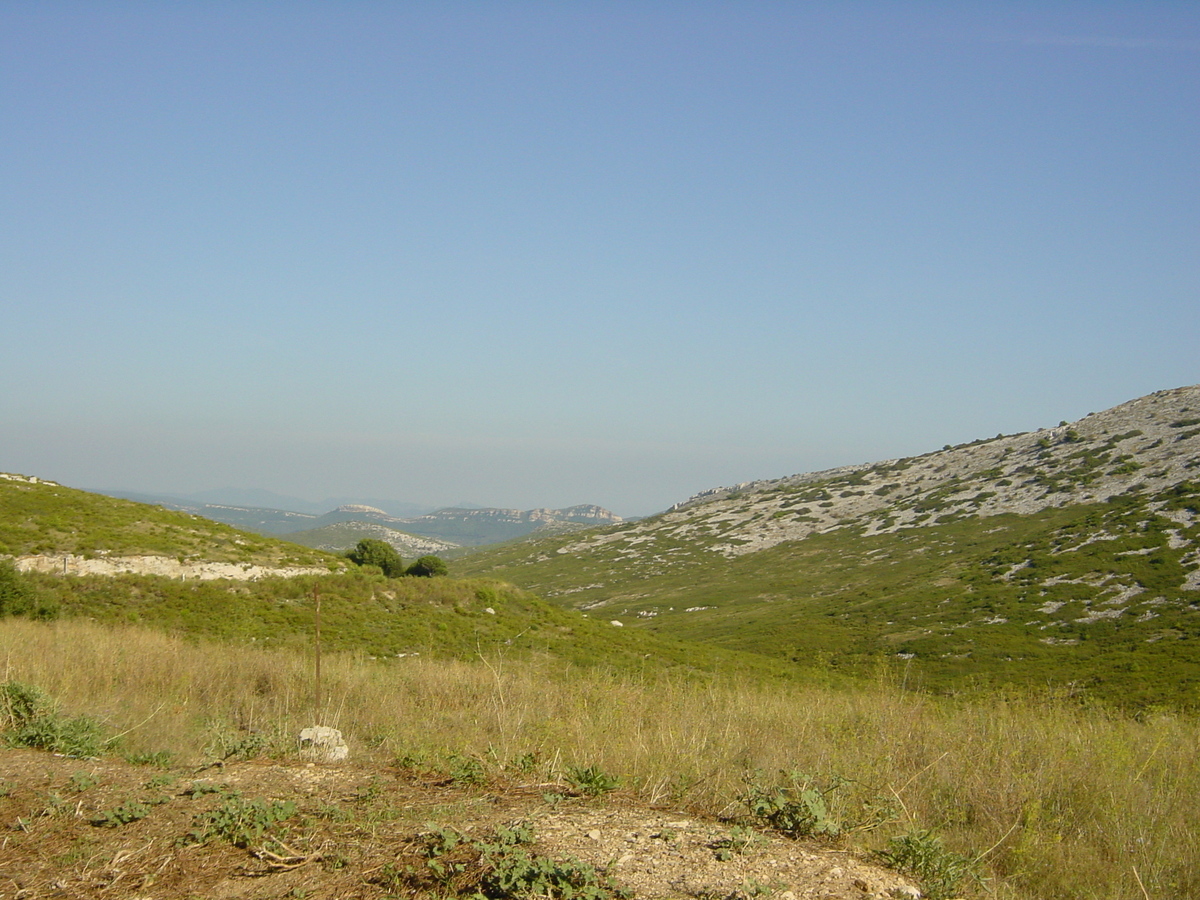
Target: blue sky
point(536, 254)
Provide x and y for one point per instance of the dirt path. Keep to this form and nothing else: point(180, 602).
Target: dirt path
point(73, 828)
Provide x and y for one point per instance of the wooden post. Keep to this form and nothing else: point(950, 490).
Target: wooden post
point(317, 601)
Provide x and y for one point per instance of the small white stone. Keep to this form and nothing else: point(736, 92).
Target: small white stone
point(323, 744)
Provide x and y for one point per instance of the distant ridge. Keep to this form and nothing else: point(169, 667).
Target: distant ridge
point(443, 530)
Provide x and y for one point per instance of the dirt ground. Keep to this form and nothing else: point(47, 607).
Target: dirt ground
point(72, 828)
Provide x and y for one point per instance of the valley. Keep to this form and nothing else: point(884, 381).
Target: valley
point(814, 675)
point(1067, 558)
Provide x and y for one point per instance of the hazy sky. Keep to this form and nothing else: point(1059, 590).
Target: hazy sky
point(535, 254)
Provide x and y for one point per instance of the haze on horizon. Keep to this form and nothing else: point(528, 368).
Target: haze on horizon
point(527, 254)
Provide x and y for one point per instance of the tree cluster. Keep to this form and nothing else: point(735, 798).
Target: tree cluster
point(372, 552)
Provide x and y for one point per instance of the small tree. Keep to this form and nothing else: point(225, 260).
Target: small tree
point(428, 567)
point(371, 552)
point(16, 596)
point(19, 597)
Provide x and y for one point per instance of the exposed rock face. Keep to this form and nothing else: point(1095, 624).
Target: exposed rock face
point(28, 479)
point(70, 564)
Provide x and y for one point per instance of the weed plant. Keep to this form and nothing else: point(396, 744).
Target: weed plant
point(499, 867)
point(28, 718)
point(940, 871)
point(240, 821)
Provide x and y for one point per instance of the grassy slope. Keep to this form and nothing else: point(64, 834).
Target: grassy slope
point(46, 518)
point(945, 596)
point(381, 617)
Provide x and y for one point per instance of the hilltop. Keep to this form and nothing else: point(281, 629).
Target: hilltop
point(444, 531)
point(47, 527)
point(1067, 556)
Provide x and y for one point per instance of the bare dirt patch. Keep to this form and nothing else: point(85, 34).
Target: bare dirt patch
point(73, 828)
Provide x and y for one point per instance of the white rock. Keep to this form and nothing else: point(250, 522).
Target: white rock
point(322, 744)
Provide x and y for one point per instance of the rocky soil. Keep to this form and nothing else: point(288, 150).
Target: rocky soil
point(75, 828)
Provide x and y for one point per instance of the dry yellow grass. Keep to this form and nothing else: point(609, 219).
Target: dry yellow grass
point(1059, 801)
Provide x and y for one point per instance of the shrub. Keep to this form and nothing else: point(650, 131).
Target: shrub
point(796, 809)
point(428, 567)
point(371, 552)
point(30, 719)
point(592, 780)
point(19, 598)
point(922, 855)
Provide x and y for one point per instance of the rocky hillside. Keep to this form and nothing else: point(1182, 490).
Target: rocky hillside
point(1144, 446)
point(1067, 555)
point(343, 535)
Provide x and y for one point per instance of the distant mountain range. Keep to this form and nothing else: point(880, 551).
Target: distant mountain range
point(439, 531)
point(257, 498)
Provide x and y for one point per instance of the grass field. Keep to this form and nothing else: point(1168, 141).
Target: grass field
point(1051, 798)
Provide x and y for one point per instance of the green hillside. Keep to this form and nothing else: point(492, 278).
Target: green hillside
point(41, 518)
point(385, 618)
point(1066, 558)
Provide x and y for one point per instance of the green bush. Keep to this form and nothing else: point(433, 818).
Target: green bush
point(428, 567)
point(922, 855)
point(796, 809)
point(30, 719)
point(371, 552)
point(18, 597)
